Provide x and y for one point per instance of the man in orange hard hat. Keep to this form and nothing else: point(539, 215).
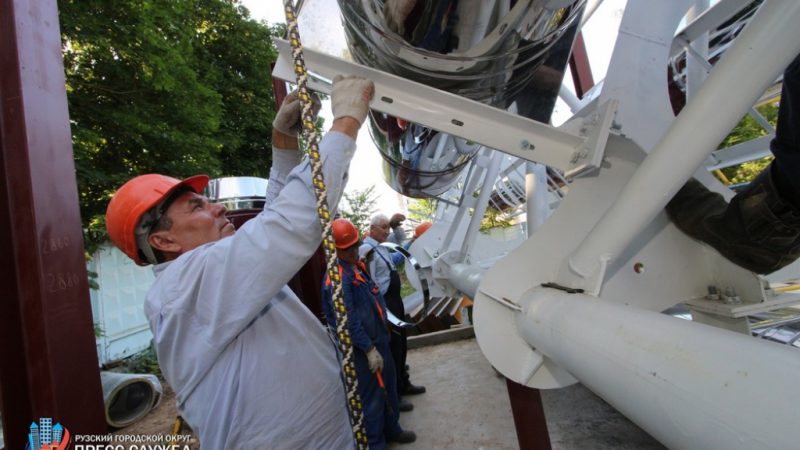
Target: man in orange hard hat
point(369, 332)
point(250, 365)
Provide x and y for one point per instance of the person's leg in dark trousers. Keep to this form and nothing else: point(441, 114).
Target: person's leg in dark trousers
point(373, 402)
point(398, 342)
point(399, 345)
point(760, 228)
point(392, 429)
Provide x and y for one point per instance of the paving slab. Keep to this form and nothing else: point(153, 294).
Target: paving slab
point(467, 407)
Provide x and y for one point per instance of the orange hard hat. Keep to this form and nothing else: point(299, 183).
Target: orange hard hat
point(134, 199)
point(421, 228)
point(345, 234)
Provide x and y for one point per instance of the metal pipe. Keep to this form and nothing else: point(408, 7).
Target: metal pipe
point(572, 100)
point(772, 39)
point(537, 206)
point(465, 278)
point(697, 68)
point(688, 385)
point(466, 201)
point(482, 202)
point(708, 20)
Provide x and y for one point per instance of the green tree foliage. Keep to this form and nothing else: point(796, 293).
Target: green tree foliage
point(746, 130)
point(423, 209)
point(359, 206)
point(170, 86)
point(494, 218)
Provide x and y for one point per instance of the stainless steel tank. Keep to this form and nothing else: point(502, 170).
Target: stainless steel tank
point(238, 193)
point(485, 50)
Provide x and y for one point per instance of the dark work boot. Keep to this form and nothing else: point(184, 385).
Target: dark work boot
point(413, 390)
point(405, 405)
point(758, 230)
point(403, 437)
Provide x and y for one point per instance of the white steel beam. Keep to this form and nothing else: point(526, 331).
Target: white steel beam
point(739, 153)
point(705, 22)
point(691, 386)
point(445, 112)
point(773, 40)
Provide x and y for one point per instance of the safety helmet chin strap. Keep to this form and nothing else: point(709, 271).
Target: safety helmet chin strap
point(149, 219)
point(142, 233)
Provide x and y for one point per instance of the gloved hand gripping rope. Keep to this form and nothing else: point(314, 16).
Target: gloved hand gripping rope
point(342, 331)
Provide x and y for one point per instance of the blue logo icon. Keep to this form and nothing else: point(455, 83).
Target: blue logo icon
point(46, 436)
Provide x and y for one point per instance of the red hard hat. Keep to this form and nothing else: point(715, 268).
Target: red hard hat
point(421, 228)
point(345, 234)
point(136, 197)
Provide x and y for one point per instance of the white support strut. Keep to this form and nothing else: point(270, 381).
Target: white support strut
point(689, 385)
point(773, 39)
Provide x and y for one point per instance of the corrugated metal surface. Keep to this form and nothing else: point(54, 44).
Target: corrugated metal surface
point(118, 306)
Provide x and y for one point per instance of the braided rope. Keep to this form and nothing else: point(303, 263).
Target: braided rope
point(342, 332)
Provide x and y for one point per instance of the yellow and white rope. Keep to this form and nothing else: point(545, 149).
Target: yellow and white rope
point(342, 331)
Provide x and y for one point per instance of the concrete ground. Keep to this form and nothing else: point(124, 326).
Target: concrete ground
point(467, 407)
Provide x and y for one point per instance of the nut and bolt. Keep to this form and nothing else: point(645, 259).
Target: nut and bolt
point(713, 293)
point(730, 296)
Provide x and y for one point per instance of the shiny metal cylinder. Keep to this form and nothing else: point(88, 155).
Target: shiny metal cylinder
point(485, 50)
point(238, 193)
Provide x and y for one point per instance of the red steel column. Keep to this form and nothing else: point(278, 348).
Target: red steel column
point(529, 418)
point(48, 358)
point(579, 67)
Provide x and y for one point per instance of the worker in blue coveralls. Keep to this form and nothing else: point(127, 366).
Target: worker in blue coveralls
point(369, 332)
point(251, 366)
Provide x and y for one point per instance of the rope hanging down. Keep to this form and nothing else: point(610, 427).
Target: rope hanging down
point(342, 331)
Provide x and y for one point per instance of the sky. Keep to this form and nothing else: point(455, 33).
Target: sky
point(366, 167)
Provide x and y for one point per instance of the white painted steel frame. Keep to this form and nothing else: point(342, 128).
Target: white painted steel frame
point(739, 153)
point(443, 111)
point(690, 386)
point(713, 17)
point(772, 39)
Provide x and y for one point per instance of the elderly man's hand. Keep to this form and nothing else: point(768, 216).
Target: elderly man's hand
point(288, 119)
point(350, 97)
point(374, 359)
point(396, 220)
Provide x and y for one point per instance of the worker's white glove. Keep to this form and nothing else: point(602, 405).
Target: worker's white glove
point(288, 119)
point(395, 13)
point(375, 360)
point(350, 97)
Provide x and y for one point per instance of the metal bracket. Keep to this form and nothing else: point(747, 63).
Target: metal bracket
point(743, 309)
point(453, 114)
point(595, 127)
point(566, 289)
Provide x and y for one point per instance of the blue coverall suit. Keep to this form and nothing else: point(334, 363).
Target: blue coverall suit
point(368, 327)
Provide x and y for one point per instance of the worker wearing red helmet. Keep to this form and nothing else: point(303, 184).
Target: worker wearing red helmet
point(369, 332)
point(421, 229)
point(250, 365)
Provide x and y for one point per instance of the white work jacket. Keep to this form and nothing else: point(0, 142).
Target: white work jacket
point(251, 366)
point(383, 260)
